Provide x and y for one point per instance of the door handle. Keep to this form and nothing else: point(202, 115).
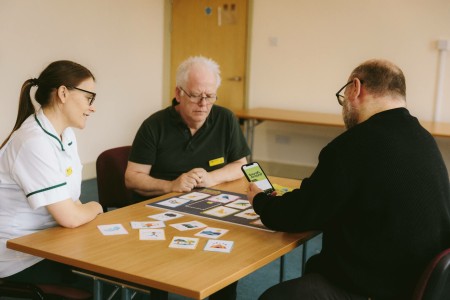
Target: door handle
point(235, 78)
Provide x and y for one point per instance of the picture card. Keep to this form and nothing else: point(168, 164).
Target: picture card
point(281, 189)
point(112, 229)
point(195, 196)
point(173, 202)
point(203, 205)
point(210, 191)
point(166, 216)
point(219, 246)
point(183, 242)
point(152, 234)
point(147, 224)
point(221, 211)
point(211, 232)
point(223, 198)
point(240, 204)
point(248, 214)
point(188, 225)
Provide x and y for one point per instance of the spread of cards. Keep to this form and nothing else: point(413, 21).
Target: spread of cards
point(209, 203)
point(214, 204)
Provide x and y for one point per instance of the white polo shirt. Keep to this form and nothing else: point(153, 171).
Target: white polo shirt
point(37, 168)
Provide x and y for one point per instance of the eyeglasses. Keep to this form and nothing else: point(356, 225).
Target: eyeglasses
point(341, 98)
point(210, 99)
point(91, 99)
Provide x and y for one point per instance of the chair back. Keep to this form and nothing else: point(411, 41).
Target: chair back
point(435, 281)
point(111, 165)
point(24, 290)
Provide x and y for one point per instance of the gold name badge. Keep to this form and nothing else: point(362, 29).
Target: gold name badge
point(217, 161)
point(69, 171)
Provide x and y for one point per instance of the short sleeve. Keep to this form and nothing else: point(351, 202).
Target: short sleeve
point(37, 170)
point(143, 150)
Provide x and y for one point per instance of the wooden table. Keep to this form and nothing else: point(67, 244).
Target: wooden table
point(254, 116)
point(152, 264)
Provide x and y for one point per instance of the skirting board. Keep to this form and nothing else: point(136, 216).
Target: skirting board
point(270, 167)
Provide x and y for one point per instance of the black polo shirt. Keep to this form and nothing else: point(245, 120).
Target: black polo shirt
point(165, 142)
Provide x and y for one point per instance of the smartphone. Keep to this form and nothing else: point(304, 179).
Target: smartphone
point(255, 173)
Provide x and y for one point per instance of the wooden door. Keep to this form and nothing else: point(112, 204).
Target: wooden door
point(216, 29)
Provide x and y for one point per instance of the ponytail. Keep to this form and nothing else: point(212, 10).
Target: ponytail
point(26, 107)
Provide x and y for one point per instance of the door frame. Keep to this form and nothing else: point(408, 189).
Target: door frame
point(166, 92)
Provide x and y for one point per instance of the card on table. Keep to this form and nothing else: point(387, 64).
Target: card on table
point(203, 204)
point(219, 246)
point(223, 198)
point(212, 233)
point(188, 225)
point(221, 211)
point(248, 214)
point(166, 216)
point(281, 189)
point(112, 229)
point(239, 204)
point(195, 196)
point(152, 234)
point(174, 202)
point(183, 242)
point(147, 224)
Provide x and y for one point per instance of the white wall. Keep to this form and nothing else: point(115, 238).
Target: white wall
point(120, 41)
point(124, 43)
point(319, 43)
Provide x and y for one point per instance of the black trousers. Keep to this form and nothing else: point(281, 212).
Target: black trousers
point(311, 286)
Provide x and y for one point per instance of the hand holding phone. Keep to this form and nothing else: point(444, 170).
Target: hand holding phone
point(254, 173)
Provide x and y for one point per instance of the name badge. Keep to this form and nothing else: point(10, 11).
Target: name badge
point(217, 161)
point(69, 171)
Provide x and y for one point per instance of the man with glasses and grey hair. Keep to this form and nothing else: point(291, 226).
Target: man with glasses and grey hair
point(192, 143)
point(380, 195)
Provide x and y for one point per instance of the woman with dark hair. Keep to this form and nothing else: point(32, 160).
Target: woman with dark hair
point(40, 170)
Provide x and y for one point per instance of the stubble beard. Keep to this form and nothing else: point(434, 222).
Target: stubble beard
point(350, 115)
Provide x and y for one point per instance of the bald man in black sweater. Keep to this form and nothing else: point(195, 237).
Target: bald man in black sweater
point(380, 194)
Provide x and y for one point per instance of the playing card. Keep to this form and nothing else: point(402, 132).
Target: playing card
point(219, 246)
point(183, 242)
point(112, 229)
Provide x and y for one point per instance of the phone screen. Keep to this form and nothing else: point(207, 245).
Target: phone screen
point(254, 173)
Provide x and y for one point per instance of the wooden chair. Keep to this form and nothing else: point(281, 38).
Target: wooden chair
point(41, 291)
point(111, 165)
point(434, 283)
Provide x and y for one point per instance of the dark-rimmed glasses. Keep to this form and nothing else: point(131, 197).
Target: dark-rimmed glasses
point(341, 98)
point(91, 99)
point(210, 99)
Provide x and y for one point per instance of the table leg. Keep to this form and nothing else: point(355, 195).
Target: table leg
point(126, 294)
point(281, 268)
point(304, 257)
point(97, 289)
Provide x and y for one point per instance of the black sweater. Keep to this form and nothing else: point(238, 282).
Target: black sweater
point(380, 194)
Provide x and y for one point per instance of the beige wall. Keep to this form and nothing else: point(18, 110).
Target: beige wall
point(318, 43)
point(120, 41)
